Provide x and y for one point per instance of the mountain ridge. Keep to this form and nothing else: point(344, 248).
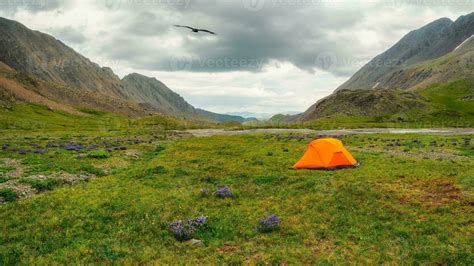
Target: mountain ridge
point(426, 43)
point(40, 55)
point(439, 62)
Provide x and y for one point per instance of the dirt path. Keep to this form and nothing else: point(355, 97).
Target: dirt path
point(444, 131)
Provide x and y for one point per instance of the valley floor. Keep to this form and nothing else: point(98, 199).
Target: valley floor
point(111, 198)
point(434, 131)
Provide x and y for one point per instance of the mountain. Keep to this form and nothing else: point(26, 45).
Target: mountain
point(221, 118)
point(43, 56)
point(279, 118)
point(429, 42)
point(66, 77)
point(17, 87)
point(432, 75)
point(152, 92)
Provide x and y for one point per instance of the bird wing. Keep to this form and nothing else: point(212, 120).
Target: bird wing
point(208, 31)
point(180, 26)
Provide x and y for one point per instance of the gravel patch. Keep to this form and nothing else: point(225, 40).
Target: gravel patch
point(22, 190)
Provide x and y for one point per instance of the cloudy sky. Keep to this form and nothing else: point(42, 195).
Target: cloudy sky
point(268, 57)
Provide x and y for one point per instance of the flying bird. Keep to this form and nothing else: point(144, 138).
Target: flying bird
point(196, 30)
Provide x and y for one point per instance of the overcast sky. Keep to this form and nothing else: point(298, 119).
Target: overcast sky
point(268, 57)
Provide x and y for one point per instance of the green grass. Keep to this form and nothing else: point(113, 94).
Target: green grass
point(34, 118)
point(4, 169)
point(8, 194)
point(41, 185)
point(98, 154)
point(399, 207)
point(447, 100)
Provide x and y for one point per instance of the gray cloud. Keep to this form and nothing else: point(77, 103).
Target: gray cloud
point(68, 34)
point(269, 55)
point(32, 5)
point(314, 35)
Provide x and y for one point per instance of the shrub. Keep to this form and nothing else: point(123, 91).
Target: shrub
point(269, 223)
point(91, 170)
point(159, 148)
point(256, 161)
point(223, 192)
point(98, 154)
point(179, 172)
point(160, 170)
point(8, 194)
point(42, 185)
point(185, 230)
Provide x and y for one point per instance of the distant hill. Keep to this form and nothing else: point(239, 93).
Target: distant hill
point(68, 78)
point(279, 118)
point(221, 118)
point(439, 55)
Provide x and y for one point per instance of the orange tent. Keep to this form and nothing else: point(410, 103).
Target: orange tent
point(326, 154)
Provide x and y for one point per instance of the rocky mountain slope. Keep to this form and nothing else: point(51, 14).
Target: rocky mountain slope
point(67, 77)
point(17, 87)
point(43, 56)
point(155, 94)
point(441, 53)
point(429, 42)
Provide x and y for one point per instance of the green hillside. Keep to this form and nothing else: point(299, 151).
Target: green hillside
point(453, 100)
point(28, 118)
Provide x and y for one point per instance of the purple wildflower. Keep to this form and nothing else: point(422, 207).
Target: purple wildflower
point(183, 231)
point(51, 145)
point(223, 192)
point(72, 147)
point(200, 220)
point(269, 223)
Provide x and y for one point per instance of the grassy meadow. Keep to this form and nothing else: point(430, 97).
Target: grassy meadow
point(410, 201)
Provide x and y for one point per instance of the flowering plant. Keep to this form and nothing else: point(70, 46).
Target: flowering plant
point(185, 230)
point(269, 223)
point(223, 192)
